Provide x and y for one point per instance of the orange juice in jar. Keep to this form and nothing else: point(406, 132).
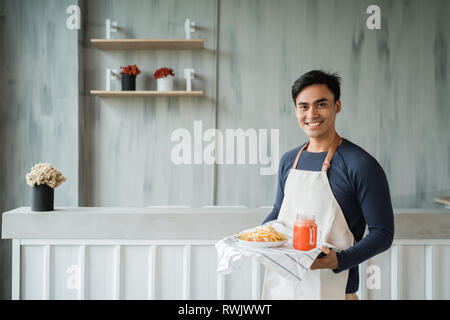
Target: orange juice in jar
point(305, 233)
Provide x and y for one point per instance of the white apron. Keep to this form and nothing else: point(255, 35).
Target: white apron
point(309, 193)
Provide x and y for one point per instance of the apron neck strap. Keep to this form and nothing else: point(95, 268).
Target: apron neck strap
point(326, 164)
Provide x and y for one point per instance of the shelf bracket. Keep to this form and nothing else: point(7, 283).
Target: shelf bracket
point(111, 26)
point(189, 26)
point(111, 74)
point(189, 75)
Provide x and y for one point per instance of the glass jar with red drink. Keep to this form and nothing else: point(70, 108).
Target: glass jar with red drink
point(305, 233)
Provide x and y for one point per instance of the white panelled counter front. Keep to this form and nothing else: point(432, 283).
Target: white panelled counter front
point(169, 253)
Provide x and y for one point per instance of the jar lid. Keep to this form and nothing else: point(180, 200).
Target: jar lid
point(305, 217)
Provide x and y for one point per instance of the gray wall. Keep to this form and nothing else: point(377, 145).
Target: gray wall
point(116, 151)
point(126, 142)
point(395, 92)
point(38, 105)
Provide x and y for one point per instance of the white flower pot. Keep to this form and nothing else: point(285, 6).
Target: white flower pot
point(165, 84)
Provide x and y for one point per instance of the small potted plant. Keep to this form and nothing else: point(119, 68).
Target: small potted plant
point(164, 78)
point(43, 178)
point(129, 74)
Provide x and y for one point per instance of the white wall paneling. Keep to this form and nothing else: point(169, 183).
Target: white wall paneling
point(186, 269)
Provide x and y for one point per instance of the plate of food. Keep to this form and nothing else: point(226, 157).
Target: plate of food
point(262, 237)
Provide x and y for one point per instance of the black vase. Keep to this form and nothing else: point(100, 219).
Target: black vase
point(128, 82)
point(42, 198)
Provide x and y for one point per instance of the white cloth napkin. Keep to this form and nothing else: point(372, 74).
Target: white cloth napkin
point(286, 260)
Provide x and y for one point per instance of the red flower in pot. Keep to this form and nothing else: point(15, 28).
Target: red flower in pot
point(129, 74)
point(130, 70)
point(163, 72)
point(165, 83)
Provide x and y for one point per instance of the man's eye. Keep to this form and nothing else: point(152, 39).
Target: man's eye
point(302, 107)
point(322, 104)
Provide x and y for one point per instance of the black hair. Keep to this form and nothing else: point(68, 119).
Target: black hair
point(332, 81)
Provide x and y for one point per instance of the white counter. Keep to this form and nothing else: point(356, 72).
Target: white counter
point(181, 223)
point(129, 223)
point(168, 253)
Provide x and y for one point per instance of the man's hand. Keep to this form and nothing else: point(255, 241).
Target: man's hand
point(329, 261)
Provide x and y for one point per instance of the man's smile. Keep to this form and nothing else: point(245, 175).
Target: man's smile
point(314, 124)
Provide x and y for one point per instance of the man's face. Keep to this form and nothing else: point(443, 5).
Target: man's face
point(316, 110)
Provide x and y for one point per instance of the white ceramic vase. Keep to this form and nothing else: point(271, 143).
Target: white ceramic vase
point(165, 84)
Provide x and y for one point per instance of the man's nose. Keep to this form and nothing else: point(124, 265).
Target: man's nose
point(312, 112)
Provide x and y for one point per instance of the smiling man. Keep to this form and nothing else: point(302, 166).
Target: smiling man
point(341, 185)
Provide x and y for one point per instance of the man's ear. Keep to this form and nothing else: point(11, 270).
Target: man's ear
point(338, 106)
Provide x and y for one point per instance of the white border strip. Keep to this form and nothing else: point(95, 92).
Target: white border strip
point(116, 273)
point(220, 286)
point(109, 242)
point(429, 272)
point(16, 270)
point(82, 272)
point(183, 242)
point(394, 272)
point(363, 284)
point(46, 273)
point(186, 272)
point(358, 293)
point(256, 278)
point(421, 242)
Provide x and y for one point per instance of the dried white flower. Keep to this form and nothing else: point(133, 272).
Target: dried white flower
point(45, 173)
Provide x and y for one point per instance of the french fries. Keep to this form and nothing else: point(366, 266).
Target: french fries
point(262, 234)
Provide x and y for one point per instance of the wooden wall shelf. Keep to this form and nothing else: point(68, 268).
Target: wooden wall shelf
point(102, 93)
point(148, 44)
point(443, 200)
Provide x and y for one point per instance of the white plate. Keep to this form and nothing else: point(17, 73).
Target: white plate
point(266, 244)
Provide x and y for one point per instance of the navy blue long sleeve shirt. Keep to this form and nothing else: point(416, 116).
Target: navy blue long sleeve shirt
point(360, 186)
